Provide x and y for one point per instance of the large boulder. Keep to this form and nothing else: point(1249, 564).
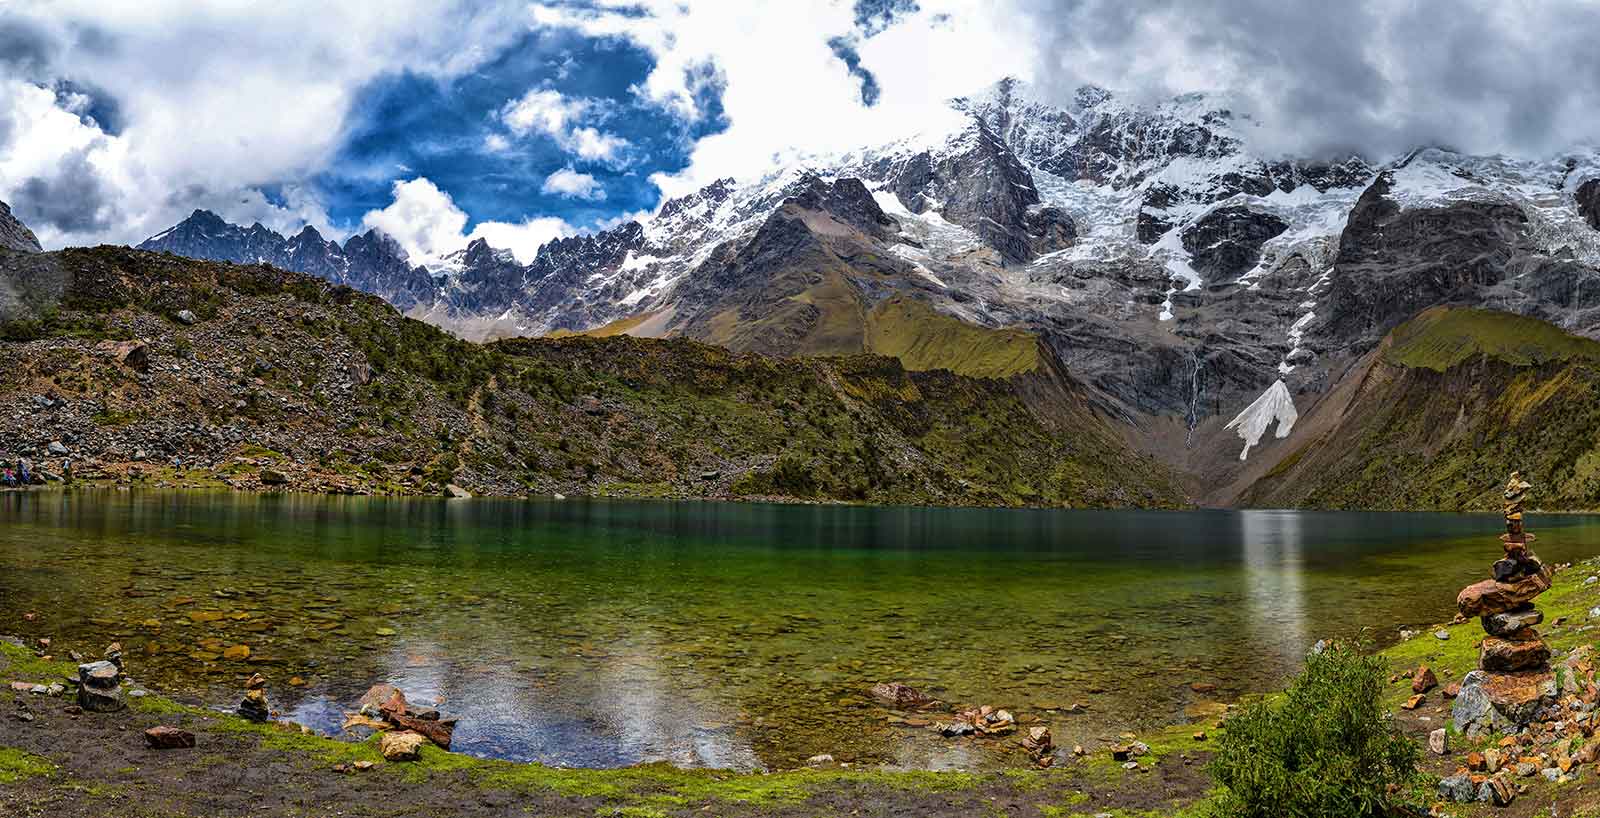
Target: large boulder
point(1501, 702)
point(134, 355)
point(1491, 597)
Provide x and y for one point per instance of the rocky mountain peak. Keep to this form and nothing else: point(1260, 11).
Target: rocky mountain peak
point(710, 195)
point(847, 200)
point(1090, 96)
point(14, 235)
point(205, 220)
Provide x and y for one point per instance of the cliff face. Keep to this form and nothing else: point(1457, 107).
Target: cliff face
point(14, 235)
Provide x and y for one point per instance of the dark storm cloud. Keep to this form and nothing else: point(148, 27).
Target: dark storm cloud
point(72, 200)
point(26, 50)
point(1369, 75)
point(845, 49)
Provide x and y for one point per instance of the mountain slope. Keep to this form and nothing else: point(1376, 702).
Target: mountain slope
point(14, 235)
point(1452, 401)
point(332, 390)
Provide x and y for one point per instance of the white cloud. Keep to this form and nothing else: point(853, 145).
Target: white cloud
point(523, 238)
point(547, 112)
point(429, 225)
point(785, 93)
point(423, 218)
point(214, 100)
point(496, 143)
point(573, 185)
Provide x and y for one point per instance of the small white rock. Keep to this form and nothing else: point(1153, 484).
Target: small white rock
point(1442, 633)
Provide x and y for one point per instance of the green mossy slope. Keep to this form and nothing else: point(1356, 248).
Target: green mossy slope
point(1455, 400)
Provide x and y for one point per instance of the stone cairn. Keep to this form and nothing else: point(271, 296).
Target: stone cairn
point(1513, 680)
point(254, 706)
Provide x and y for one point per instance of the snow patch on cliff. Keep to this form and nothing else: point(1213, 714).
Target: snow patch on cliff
point(1274, 405)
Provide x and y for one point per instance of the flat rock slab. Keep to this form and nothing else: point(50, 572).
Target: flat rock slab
point(1522, 650)
point(1509, 622)
point(1490, 597)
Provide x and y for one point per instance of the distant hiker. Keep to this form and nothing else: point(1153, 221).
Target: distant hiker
point(8, 479)
point(22, 473)
point(66, 472)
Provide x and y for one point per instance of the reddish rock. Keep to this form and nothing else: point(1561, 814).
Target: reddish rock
point(168, 738)
point(1523, 650)
point(1423, 680)
point(375, 697)
point(394, 705)
point(1490, 597)
point(1452, 690)
point(1476, 762)
point(1414, 702)
point(438, 732)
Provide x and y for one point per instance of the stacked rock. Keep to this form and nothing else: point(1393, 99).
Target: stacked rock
point(254, 705)
point(100, 687)
point(1513, 680)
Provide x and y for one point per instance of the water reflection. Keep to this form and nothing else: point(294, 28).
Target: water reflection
point(599, 634)
point(1274, 585)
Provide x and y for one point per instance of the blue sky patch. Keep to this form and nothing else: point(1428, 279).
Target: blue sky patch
point(406, 125)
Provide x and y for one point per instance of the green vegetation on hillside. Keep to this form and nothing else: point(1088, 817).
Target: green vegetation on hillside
point(1456, 400)
point(1442, 338)
point(347, 395)
point(923, 339)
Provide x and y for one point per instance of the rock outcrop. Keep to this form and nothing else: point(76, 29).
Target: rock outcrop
point(1226, 243)
point(14, 235)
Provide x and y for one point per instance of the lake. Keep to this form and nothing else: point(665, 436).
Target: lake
point(601, 633)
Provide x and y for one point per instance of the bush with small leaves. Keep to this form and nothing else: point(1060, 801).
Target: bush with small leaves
point(1326, 748)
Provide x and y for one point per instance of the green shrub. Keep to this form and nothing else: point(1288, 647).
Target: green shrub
point(1325, 749)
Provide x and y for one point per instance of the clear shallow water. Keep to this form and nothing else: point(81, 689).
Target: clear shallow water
point(610, 633)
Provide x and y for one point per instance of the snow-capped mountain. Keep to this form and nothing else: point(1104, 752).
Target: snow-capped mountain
point(1179, 275)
